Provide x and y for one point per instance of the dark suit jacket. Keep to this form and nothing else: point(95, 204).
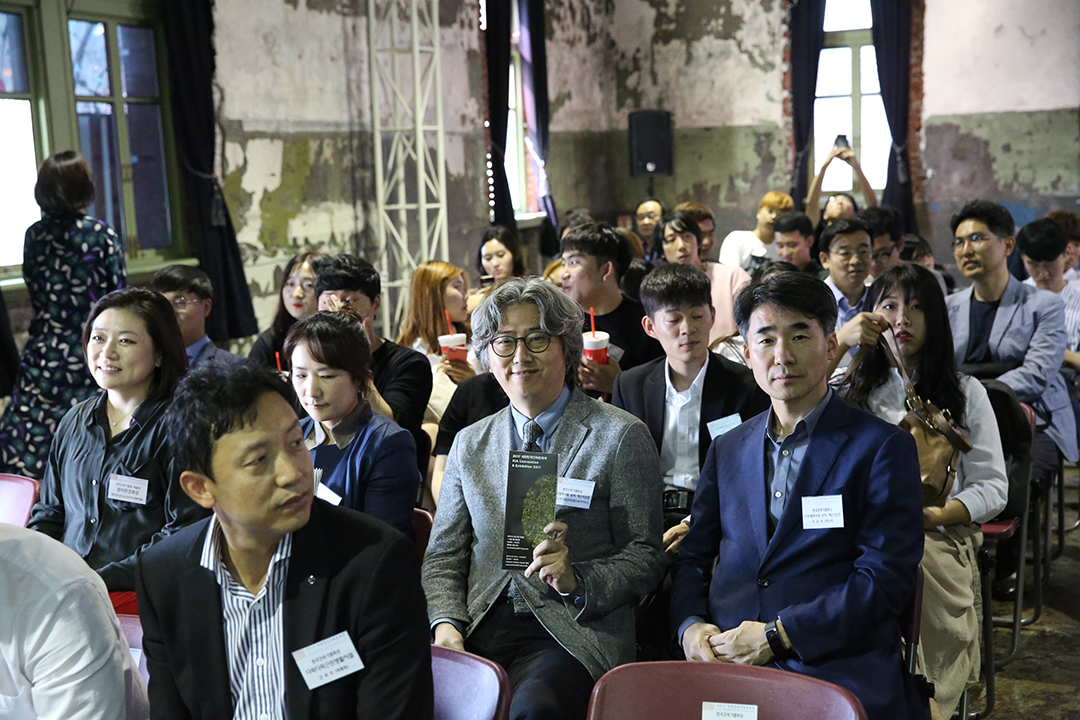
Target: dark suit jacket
point(212, 353)
point(838, 591)
point(729, 389)
point(346, 572)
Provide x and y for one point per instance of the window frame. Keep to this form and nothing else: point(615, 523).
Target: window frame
point(53, 103)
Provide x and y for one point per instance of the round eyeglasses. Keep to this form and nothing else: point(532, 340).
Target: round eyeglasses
point(506, 345)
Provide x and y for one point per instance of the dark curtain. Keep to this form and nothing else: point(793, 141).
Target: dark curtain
point(807, 36)
point(189, 28)
point(537, 112)
point(9, 354)
point(892, 41)
point(497, 44)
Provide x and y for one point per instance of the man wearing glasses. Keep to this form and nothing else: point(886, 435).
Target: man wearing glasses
point(1005, 329)
point(886, 238)
point(190, 293)
point(567, 618)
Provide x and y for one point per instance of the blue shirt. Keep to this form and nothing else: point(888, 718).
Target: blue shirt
point(845, 310)
point(784, 457)
point(547, 420)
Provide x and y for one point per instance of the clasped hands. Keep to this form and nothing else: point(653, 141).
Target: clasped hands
point(745, 645)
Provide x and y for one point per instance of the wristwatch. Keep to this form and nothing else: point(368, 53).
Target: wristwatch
point(776, 643)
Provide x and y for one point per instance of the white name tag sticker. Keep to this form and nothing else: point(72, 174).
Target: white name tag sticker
point(574, 493)
point(727, 711)
point(615, 352)
point(136, 655)
point(720, 426)
point(128, 489)
point(819, 513)
point(324, 493)
point(327, 660)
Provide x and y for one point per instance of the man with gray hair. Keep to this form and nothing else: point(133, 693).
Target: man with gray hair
point(568, 617)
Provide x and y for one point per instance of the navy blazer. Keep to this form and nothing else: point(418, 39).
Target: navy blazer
point(212, 353)
point(347, 572)
point(1029, 328)
point(838, 591)
point(729, 389)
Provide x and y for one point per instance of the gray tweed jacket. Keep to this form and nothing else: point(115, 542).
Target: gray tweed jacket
point(615, 545)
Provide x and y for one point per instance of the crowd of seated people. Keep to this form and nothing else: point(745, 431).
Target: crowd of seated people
point(747, 489)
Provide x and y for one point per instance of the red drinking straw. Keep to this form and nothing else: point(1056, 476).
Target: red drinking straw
point(277, 357)
point(449, 325)
point(592, 319)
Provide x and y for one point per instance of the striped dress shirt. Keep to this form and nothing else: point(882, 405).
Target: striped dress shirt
point(253, 631)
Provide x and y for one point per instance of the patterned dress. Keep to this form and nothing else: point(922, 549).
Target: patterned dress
point(69, 262)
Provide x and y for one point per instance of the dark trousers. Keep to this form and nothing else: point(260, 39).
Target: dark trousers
point(1044, 463)
point(548, 682)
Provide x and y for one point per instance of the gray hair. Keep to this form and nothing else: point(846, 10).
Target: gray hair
point(560, 317)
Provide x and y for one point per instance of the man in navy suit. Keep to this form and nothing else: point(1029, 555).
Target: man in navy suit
point(814, 511)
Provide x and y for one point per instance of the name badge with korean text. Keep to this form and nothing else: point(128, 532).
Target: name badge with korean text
point(720, 426)
point(615, 353)
point(327, 660)
point(820, 513)
point(574, 493)
point(128, 489)
point(727, 711)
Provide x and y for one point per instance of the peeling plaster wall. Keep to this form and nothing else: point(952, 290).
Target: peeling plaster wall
point(1000, 108)
point(717, 66)
point(295, 112)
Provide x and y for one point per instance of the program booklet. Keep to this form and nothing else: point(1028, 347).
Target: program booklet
point(531, 484)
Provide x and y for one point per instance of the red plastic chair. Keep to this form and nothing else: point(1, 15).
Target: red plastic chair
point(468, 687)
point(132, 628)
point(422, 521)
point(676, 690)
point(17, 496)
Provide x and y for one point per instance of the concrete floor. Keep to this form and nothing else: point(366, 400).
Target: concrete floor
point(1044, 679)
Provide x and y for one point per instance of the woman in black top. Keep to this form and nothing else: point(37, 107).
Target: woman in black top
point(110, 486)
point(296, 300)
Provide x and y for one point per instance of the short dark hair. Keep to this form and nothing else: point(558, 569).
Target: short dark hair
point(1069, 222)
point(345, 271)
point(183, 278)
point(679, 222)
point(635, 274)
point(509, 240)
point(576, 217)
point(915, 247)
point(991, 214)
point(843, 226)
point(65, 184)
point(211, 401)
point(601, 241)
point(794, 221)
point(674, 286)
point(792, 291)
point(882, 221)
point(1042, 240)
point(336, 339)
point(157, 315)
point(767, 269)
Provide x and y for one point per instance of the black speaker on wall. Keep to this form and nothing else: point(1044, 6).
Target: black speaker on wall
point(650, 143)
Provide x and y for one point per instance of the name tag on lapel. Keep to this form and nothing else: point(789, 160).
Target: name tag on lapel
point(574, 493)
point(720, 426)
point(327, 660)
point(128, 489)
point(820, 513)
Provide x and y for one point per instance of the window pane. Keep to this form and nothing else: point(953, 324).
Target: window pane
point(868, 77)
point(876, 141)
point(97, 142)
point(847, 15)
point(832, 117)
point(148, 176)
point(89, 60)
point(834, 72)
point(17, 158)
point(138, 63)
point(12, 55)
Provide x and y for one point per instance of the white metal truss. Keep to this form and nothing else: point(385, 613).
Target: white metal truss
point(407, 129)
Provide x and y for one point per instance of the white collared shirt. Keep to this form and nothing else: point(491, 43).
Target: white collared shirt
point(682, 430)
point(254, 644)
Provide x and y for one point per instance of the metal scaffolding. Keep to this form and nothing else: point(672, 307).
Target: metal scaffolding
point(407, 131)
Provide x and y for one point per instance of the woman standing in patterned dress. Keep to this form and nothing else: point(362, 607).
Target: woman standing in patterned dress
point(70, 260)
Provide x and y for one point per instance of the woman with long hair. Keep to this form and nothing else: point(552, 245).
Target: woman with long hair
point(909, 300)
point(362, 460)
point(498, 257)
point(296, 300)
point(111, 489)
point(70, 260)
